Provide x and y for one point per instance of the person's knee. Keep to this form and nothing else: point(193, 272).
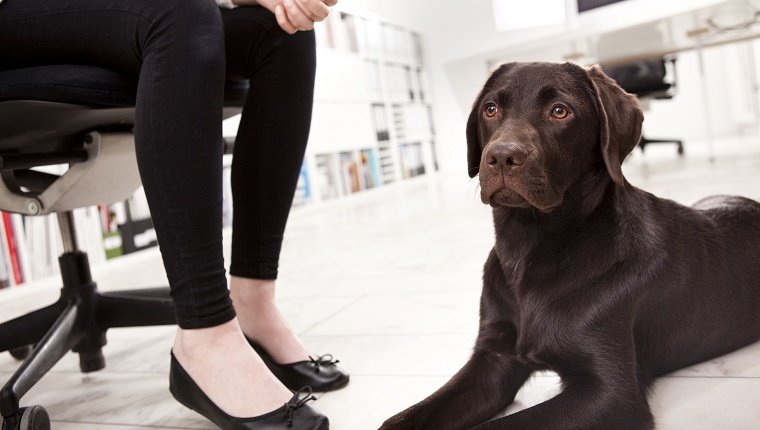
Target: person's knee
point(194, 24)
point(299, 48)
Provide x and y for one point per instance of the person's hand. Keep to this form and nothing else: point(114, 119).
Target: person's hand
point(300, 15)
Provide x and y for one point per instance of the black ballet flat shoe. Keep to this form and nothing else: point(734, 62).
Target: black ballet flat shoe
point(293, 415)
point(321, 374)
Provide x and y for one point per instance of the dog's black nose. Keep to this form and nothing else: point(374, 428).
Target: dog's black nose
point(505, 156)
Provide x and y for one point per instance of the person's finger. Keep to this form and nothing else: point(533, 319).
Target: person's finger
point(330, 2)
point(297, 16)
point(283, 21)
point(314, 9)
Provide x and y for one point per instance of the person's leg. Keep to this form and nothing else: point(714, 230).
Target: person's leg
point(268, 154)
point(177, 49)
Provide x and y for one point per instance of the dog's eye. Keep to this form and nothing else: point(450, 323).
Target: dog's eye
point(490, 110)
point(560, 112)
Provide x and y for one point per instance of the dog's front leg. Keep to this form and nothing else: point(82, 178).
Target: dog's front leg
point(482, 388)
point(489, 380)
point(578, 408)
point(601, 393)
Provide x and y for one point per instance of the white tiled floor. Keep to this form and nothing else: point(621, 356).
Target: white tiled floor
point(389, 282)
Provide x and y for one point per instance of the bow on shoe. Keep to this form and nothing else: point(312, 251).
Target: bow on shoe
point(297, 402)
point(323, 360)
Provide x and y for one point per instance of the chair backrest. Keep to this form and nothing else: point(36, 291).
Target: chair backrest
point(643, 77)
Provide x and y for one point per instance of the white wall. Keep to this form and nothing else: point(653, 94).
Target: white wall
point(461, 40)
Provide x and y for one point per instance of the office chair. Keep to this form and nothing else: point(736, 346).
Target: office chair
point(647, 79)
point(81, 116)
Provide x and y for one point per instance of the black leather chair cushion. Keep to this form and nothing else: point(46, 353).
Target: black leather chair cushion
point(86, 85)
point(47, 107)
point(67, 83)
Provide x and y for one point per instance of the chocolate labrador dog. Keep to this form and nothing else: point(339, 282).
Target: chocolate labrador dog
point(590, 277)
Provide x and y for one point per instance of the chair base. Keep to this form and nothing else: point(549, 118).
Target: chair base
point(643, 142)
point(77, 322)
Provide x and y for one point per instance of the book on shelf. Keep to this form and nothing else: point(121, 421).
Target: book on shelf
point(369, 37)
point(43, 245)
point(31, 245)
point(412, 160)
point(9, 239)
point(387, 163)
point(227, 196)
point(398, 82)
point(366, 62)
point(22, 248)
point(412, 122)
point(374, 31)
point(417, 47)
point(350, 177)
point(380, 121)
point(409, 84)
point(351, 36)
point(303, 188)
point(325, 33)
point(374, 83)
point(370, 169)
point(326, 176)
point(5, 272)
point(89, 233)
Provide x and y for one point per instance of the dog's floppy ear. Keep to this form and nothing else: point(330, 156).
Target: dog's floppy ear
point(620, 119)
point(474, 147)
point(474, 150)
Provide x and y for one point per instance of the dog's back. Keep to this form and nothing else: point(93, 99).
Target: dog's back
point(707, 290)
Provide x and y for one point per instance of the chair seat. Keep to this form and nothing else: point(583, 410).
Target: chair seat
point(67, 83)
point(47, 107)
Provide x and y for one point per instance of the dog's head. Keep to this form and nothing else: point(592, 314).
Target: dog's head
point(538, 128)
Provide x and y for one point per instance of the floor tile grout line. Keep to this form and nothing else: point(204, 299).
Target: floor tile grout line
point(127, 425)
point(439, 334)
point(706, 377)
point(343, 308)
point(474, 334)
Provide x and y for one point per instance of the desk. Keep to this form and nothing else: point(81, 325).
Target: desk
point(625, 30)
point(610, 37)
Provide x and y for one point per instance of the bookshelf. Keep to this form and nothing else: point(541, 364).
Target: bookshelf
point(372, 127)
point(372, 122)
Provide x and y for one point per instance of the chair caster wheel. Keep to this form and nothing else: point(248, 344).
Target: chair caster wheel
point(22, 352)
point(34, 418)
point(31, 418)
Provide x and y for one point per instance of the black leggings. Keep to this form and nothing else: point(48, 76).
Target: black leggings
point(178, 49)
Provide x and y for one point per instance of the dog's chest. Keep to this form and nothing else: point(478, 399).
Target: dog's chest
point(537, 332)
point(542, 323)
point(539, 283)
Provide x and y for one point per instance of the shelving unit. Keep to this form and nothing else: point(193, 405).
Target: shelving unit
point(372, 123)
point(371, 127)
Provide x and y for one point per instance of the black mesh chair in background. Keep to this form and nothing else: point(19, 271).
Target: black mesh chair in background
point(81, 116)
point(648, 80)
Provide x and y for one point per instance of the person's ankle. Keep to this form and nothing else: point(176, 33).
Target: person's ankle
point(188, 342)
point(249, 293)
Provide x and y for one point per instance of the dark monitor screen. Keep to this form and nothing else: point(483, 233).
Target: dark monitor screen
point(584, 5)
